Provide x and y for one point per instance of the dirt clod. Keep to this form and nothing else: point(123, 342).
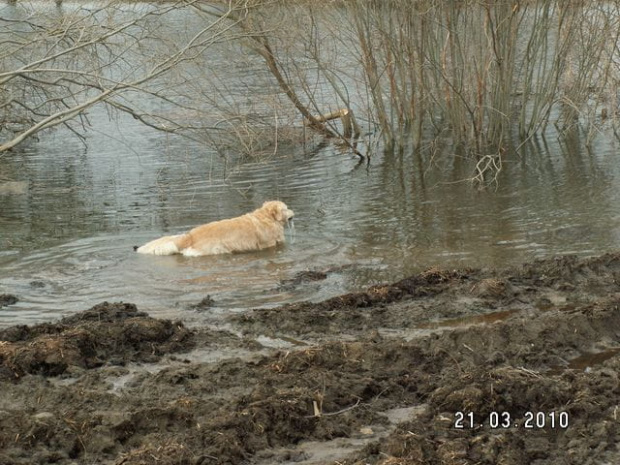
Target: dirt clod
point(107, 333)
point(8, 299)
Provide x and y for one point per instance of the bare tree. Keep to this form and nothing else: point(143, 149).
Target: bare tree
point(482, 76)
point(472, 73)
point(55, 65)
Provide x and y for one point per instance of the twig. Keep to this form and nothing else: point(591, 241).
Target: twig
point(330, 414)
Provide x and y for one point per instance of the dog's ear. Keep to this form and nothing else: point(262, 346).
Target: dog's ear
point(274, 209)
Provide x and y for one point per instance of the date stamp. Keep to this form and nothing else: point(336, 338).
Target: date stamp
point(505, 420)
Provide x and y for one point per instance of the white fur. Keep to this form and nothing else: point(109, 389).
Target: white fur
point(162, 246)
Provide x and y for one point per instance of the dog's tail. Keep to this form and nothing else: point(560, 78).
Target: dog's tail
point(167, 245)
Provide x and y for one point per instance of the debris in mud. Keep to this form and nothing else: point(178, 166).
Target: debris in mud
point(514, 366)
point(8, 299)
point(302, 277)
point(363, 310)
point(204, 304)
point(107, 333)
point(312, 276)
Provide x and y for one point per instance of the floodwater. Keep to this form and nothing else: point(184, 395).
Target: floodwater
point(70, 213)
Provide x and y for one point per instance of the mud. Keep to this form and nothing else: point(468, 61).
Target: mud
point(515, 366)
point(7, 299)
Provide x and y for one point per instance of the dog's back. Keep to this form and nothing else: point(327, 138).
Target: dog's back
point(260, 229)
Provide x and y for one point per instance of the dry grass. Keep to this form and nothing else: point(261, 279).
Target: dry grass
point(477, 73)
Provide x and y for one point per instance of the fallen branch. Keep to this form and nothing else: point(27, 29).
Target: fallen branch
point(349, 123)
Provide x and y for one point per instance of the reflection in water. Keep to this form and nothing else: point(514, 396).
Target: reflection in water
point(70, 214)
point(66, 241)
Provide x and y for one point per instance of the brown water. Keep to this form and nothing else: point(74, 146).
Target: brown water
point(70, 214)
point(587, 361)
point(485, 318)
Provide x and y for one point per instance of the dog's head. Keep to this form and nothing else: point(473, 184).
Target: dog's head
point(277, 210)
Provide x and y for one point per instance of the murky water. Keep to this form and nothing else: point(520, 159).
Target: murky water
point(70, 214)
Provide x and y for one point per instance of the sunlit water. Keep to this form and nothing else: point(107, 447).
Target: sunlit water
point(70, 214)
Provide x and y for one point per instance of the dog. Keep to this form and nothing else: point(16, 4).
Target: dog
point(261, 229)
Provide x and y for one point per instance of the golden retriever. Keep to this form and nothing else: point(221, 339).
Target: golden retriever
point(260, 229)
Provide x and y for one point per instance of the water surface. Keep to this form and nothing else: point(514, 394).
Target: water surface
point(70, 213)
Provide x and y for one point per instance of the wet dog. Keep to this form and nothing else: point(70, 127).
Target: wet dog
point(257, 230)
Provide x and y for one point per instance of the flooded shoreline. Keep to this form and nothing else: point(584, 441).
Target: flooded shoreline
point(71, 207)
point(417, 371)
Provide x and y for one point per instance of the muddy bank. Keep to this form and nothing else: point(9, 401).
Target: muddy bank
point(107, 334)
point(516, 366)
